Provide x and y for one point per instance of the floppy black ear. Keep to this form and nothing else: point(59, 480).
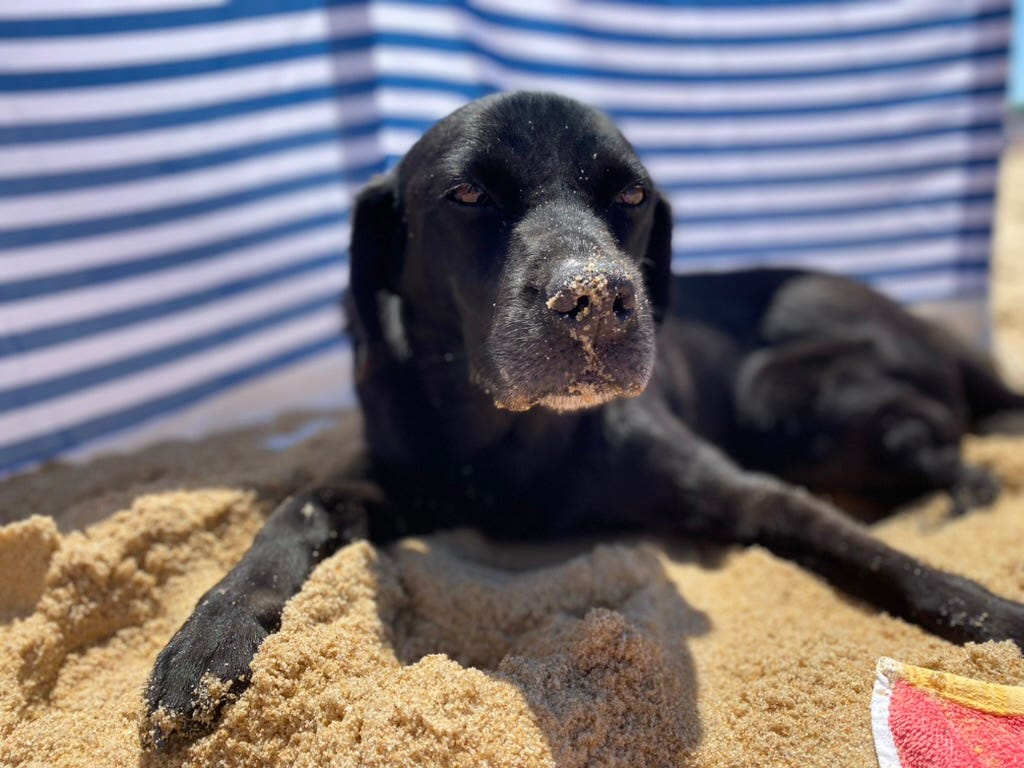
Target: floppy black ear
point(374, 262)
point(657, 262)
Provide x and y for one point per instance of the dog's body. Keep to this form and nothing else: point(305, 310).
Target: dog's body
point(510, 284)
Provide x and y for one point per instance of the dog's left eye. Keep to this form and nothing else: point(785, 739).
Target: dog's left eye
point(632, 195)
point(468, 194)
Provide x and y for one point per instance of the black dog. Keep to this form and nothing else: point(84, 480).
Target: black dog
point(510, 285)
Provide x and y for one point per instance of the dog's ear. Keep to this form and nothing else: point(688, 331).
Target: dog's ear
point(375, 255)
point(657, 262)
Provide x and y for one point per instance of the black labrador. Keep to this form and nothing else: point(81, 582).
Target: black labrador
point(527, 364)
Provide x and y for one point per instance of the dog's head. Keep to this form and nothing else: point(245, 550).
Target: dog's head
point(522, 236)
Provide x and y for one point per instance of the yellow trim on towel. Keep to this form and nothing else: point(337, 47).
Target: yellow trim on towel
point(1006, 700)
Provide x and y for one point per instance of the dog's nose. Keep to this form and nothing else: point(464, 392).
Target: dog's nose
point(599, 299)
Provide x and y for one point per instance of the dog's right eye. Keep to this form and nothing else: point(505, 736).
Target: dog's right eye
point(632, 196)
point(467, 194)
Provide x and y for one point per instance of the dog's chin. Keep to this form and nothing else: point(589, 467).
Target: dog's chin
point(574, 398)
point(583, 400)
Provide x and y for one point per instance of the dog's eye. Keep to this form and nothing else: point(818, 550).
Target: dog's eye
point(632, 195)
point(468, 194)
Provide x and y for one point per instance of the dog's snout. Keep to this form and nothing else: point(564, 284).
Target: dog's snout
point(593, 296)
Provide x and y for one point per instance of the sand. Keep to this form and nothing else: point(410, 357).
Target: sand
point(454, 651)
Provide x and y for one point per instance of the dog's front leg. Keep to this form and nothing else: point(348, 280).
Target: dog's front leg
point(207, 661)
point(690, 487)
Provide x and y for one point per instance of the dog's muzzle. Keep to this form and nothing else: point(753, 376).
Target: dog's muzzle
point(586, 337)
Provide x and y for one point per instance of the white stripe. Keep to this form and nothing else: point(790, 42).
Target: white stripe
point(124, 49)
point(890, 155)
point(175, 189)
point(34, 9)
point(940, 252)
point(819, 195)
point(173, 94)
point(903, 118)
point(66, 307)
point(788, 233)
point(165, 144)
point(39, 365)
point(674, 58)
point(706, 19)
point(417, 104)
point(69, 256)
point(169, 95)
point(99, 401)
point(395, 142)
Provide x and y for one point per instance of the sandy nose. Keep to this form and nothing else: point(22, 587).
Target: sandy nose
point(598, 297)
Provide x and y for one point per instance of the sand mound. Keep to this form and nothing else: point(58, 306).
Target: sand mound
point(451, 650)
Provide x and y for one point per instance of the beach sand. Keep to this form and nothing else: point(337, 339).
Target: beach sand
point(455, 651)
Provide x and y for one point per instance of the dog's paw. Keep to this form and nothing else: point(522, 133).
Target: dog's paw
point(1002, 423)
point(962, 611)
point(203, 667)
point(974, 487)
point(1003, 621)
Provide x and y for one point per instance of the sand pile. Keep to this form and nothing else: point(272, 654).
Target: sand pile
point(450, 650)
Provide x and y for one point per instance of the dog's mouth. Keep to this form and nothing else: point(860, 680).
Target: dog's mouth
point(576, 397)
point(582, 379)
point(578, 401)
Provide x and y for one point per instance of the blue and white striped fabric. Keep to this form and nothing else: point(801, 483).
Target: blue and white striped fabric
point(176, 175)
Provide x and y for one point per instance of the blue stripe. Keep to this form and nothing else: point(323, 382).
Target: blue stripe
point(62, 333)
point(39, 28)
point(40, 286)
point(20, 238)
point(902, 171)
point(684, 220)
point(31, 394)
point(778, 251)
point(976, 125)
point(46, 446)
point(33, 185)
point(965, 266)
point(91, 78)
point(30, 185)
point(971, 266)
point(997, 51)
point(46, 132)
point(190, 68)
